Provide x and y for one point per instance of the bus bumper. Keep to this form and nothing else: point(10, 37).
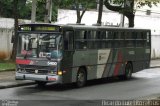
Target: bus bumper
point(46, 78)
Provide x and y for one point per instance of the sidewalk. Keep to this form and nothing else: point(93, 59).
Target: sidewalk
point(155, 63)
point(7, 78)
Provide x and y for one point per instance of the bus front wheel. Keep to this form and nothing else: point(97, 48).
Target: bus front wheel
point(81, 78)
point(41, 83)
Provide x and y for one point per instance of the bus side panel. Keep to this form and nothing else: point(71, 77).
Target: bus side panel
point(103, 58)
point(139, 62)
point(130, 56)
point(87, 59)
point(116, 63)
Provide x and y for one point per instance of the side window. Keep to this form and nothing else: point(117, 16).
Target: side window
point(80, 39)
point(118, 39)
point(91, 39)
point(68, 40)
point(130, 39)
point(140, 41)
point(109, 39)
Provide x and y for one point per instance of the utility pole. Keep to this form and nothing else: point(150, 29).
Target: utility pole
point(48, 12)
point(34, 6)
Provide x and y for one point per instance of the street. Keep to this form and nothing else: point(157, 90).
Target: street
point(143, 85)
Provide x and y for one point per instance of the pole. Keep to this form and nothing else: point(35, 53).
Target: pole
point(48, 12)
point(33, 15)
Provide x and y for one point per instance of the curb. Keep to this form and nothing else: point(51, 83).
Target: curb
point(17, 85)
point(155, 67)
point(7, 70)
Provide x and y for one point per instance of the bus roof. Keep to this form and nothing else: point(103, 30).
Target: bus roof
point(101, 27)
point(79, 26)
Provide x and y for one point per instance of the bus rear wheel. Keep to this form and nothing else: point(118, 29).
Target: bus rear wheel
point(128, 71)
point(81, 78)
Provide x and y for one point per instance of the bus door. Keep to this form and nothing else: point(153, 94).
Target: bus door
point(67, 61)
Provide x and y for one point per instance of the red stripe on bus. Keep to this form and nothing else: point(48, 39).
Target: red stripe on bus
point(19, 61)
point(118, 65)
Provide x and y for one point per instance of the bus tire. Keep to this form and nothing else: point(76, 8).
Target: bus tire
point(81, 78)
point(41, 83)
point(128, 71)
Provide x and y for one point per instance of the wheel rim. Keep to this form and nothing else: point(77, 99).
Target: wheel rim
point(129, 71)
point(81, 78)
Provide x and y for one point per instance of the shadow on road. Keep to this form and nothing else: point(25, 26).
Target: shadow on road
point(66, 87)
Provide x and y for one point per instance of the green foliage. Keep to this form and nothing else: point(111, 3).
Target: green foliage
point(149, 3)
point(25, 6)
point(6, 8)
point(138, 3)
point(70, 4)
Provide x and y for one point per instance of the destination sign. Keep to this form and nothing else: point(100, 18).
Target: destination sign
point(38, 28)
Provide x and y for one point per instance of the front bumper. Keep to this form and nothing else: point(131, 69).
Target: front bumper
point(36, 77)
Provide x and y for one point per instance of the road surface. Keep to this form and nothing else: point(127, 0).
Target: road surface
point(143, 85)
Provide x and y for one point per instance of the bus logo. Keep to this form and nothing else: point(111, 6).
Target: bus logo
point(36, 71)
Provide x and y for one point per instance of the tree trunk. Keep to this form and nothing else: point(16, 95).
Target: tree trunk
point(131, 21)
point(100, 10)
point(127, 10)
point(14, 49)
point(78, 14)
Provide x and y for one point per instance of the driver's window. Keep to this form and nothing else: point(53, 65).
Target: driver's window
point(68, 40)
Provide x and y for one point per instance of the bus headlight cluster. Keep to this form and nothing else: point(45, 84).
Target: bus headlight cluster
point(52, 72)
point(21, 70)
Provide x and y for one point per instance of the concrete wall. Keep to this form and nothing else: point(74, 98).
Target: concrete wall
point(5, 43)
point(155, 53)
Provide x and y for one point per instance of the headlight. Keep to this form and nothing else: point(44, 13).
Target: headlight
point(52, 72)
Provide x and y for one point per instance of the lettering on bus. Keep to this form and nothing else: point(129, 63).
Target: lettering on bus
point(25, 28)
point(44, 28)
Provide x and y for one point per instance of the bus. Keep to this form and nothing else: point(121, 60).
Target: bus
point(76, 53)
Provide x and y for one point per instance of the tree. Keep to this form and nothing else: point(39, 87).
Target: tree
point(126, 7)
point(7, 6)
point(81, 6)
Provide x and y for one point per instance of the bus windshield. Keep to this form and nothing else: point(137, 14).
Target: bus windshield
point(40, 45)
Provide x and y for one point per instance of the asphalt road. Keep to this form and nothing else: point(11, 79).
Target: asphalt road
point(143, 85)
